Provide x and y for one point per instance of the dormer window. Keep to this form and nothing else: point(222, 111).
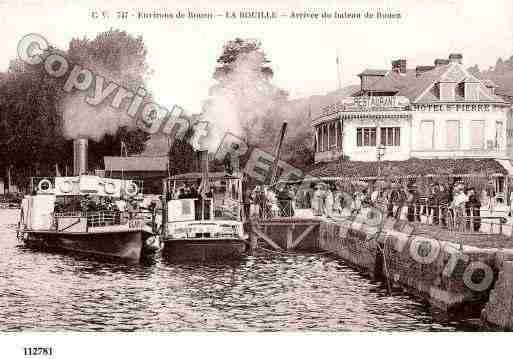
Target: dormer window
point(460, 90)
point(447, 91)
point(471, 91)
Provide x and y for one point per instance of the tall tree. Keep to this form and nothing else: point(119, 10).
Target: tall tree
point(232, 52)
point(118, 57)
point(32, 105)
point(30, 122)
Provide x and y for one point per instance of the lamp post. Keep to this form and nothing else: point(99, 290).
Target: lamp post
point(380, 152)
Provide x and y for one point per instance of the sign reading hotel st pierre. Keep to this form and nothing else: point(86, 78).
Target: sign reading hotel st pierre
point(454, 107)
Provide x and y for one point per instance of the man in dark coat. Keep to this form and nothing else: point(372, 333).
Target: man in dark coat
point(473, 207)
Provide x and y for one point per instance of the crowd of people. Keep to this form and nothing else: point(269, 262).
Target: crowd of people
point(190, 190)
point(266, 202)
point(456, 205)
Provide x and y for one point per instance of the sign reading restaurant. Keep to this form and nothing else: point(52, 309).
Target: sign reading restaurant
point(365, 103)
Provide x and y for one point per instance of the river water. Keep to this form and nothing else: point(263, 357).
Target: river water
point(64, 291)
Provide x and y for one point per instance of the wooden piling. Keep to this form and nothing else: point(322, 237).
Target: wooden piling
point(253, 239)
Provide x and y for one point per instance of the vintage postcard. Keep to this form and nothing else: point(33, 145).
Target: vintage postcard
point(174, 168)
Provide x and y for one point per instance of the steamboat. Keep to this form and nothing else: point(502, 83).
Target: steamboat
point(88, 213)
point(202, 215)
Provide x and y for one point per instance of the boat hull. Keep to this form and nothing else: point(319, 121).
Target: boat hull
point(127, 245)
point(204, 249)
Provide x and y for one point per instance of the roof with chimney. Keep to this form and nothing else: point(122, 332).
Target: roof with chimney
point(136, 164)
point(419, 85)
point(371, 72)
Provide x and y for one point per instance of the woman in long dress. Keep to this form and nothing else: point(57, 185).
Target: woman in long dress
point(459, 205)
point(328, 202)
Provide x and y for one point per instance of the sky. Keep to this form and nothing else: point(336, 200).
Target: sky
point(183, 53)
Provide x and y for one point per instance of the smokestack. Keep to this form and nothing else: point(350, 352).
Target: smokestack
point(80, 156)
point(203, 157)
point(205, 183)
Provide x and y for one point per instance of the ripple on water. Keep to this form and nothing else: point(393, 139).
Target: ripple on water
point(52, 291)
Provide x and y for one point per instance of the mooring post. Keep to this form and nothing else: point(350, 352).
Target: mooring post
point(252, 239)
point(290, 230)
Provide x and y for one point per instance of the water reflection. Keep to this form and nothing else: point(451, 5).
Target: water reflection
point(65, 291)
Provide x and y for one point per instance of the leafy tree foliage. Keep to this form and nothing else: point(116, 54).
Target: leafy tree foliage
point(232, 51)
point(182, 156)
point(31, 106)
point(245, 101)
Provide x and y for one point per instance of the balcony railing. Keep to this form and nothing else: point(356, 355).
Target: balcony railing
point(484, 153)
point(440, 216)
point(72, 219)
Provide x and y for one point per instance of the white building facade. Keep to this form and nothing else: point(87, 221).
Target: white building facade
point(429, 112)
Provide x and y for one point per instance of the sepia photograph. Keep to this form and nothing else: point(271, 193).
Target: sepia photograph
point(266, 178)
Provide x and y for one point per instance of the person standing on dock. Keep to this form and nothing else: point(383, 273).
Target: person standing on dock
point(247, 201)
point(338, 199)
point(395, 200)
point(458, 205)
point(308, 196)
point(317, 200)
point(444, 199)
point(473, 209)
point(328, 201)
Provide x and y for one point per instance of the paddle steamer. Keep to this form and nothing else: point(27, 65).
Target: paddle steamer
point(87, 213)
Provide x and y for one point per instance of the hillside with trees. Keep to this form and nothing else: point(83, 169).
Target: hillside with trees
point(501, 74)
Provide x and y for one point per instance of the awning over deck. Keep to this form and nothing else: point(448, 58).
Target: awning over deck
point(411, 168)
point(364, 115)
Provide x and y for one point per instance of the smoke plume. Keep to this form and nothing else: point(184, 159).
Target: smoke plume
point(242, 99)
point(81, 119)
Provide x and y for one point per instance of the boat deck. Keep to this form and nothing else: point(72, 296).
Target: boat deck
point(91, 231)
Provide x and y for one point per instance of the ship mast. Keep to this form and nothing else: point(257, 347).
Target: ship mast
point(271, 180)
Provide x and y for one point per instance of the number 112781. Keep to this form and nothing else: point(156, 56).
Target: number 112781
point(33, 351)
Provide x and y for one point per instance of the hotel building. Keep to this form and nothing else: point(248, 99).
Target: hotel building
point(430, 112)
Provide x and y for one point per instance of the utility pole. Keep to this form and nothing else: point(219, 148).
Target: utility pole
point(380, 154)
point(9, 178)
point(338, 72)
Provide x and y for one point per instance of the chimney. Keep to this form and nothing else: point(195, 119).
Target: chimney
point(441, 62)
point(80, 156)
point(399, 66)
point(456, 58)
point(200, 161)
point(203, 157)
point(419, 70)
